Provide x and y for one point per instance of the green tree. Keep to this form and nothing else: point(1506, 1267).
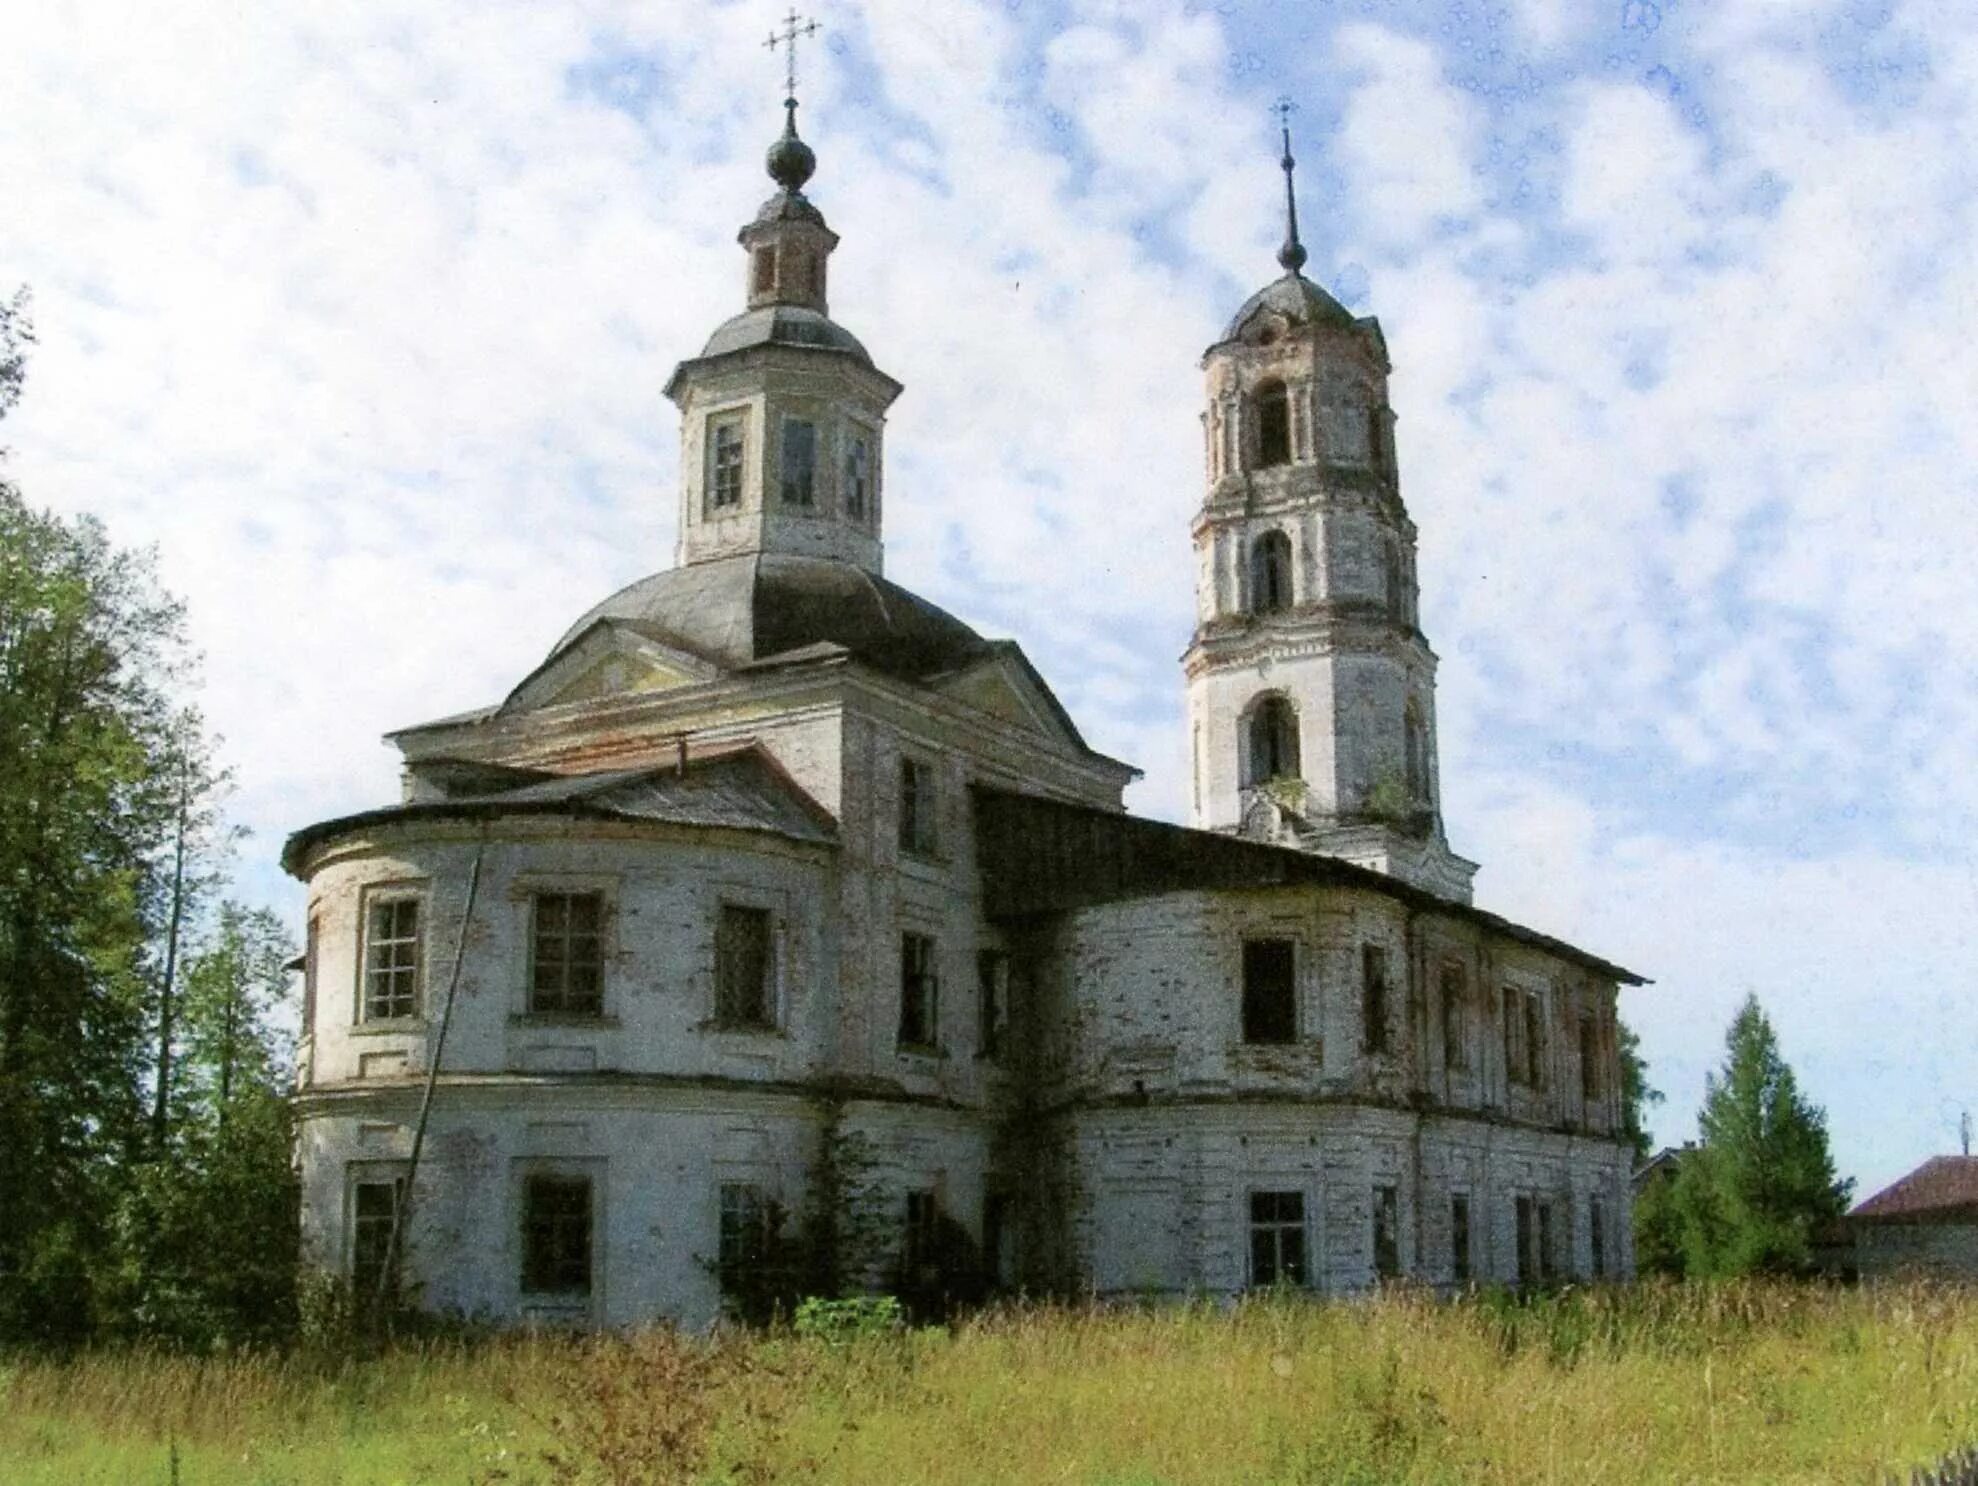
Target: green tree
point(1658, 1228)
point(1761, 1180)
point(1638, 1096)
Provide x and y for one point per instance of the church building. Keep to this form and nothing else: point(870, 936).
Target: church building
point(777, 912)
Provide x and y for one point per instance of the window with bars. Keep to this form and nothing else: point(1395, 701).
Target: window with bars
point(373, 1210)
point(744, 967)
point(919, 992)
point(992, 979)
point(799, 462)
point(391, 958)
point(1373, 998)
point(1270, 991)
point(556, 1234)
point(566, 954)
point(1459, 1238)
point(1454, 986)
point(917, 808)
point(724, 464)
point(1277, 1238)
point(744, 1238)
point(858, 475)
point(1387, 1233)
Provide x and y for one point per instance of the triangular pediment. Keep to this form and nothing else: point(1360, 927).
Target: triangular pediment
point(1005, 686)
point(609, 660)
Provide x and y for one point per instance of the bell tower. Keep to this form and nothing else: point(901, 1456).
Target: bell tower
point(1311, 688)
point(782, 415)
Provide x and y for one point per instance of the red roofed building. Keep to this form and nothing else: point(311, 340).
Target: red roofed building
point(1925, 1223)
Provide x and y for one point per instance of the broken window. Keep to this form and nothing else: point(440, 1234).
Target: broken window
point(1273, 405)
point(992, 979)
point(743, 1241)
point(1270, 991)
point(743, 966)
point(919, 991)
point(1277, 1238)
point(1387, 1233)
point(556, 1235)
point(724, 463)
point(1454, 984)
point(799, 463)
point(858, 475)
point(1272, 751)
point(391, 959)
point(917, 818)
point(1459, 1238)
point(1373, 998)
point(566, 954)
point(1270, 573)
point(373, 1210)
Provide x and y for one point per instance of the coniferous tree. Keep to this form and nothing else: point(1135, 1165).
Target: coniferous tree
point(1638, 1096)
point(1761, 1180)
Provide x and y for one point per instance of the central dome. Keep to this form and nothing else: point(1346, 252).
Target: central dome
point(1296, 298)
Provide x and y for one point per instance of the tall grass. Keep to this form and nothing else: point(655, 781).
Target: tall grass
point(1744, 1382)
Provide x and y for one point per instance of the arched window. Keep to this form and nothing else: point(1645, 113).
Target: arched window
point(1273, 406)
point(1271, 742)
point(1270, 573)
point(1415, 746)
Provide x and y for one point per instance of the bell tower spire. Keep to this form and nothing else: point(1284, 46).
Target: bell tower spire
point(1311, 688)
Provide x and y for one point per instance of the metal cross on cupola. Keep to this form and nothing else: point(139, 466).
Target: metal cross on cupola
point(794, 26)
point(1292, 255)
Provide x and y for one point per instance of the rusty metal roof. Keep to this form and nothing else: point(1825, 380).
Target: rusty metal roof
point(735, 788)
point(1941, 1186)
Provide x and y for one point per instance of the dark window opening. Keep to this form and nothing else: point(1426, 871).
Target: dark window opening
point(1415, 754)
point(1455, 1052)
point(1270, 991)
point(858, 476)
point(1387, 1233)
point(799, 468)
point(743, 968)
point(1597, 1233)
point(374, 1208)
point(1514, 1025)
point(920, 1240)
point(311, 940)
point(998, 1252)
point(1273, 405)
point(1273, 742)
point(1270, 573)
point(1527, 1260)
point(1459, 1239)
point(992, 979)
point(556, 1235)
point(724, 473)
point(743, 1240)
point(1535, 1039)
point(1277, 1238)
point(1373, 998)
point(917, 834)
point(919, 990)
point(566, 954)
point(1548, 1263)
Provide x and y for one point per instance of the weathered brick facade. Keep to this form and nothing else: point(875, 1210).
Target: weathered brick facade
point(776, 891)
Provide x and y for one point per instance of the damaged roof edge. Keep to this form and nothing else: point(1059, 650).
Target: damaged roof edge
point(1180, 858)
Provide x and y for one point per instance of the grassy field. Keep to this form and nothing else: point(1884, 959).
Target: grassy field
point(1743, 1383)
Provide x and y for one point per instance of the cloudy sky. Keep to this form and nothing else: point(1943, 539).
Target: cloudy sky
point(361, 311)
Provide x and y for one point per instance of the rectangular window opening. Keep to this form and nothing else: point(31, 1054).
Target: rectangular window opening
point(744, 983)
point(992, 977)
point(858, 476)
point(1527, 1261)
point(919, 991)
point(917, 812)
point(724, 473)
point(566, 954)
point(1373, 998)
point(1455, 985)
point(374, 1208)
point(744, 1239)
point(391, 959)
point(1277, 1238)
point(1548, 1259)
point(556, 1235)
point(1535, 1048)
point(1459, 1238)
point(1590, 1084)
point(1597, 1235)
point(799, 467)
point(1387, 1233)
point(1270, 991)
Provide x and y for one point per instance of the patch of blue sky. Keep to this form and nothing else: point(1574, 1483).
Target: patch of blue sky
point(629, 79)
